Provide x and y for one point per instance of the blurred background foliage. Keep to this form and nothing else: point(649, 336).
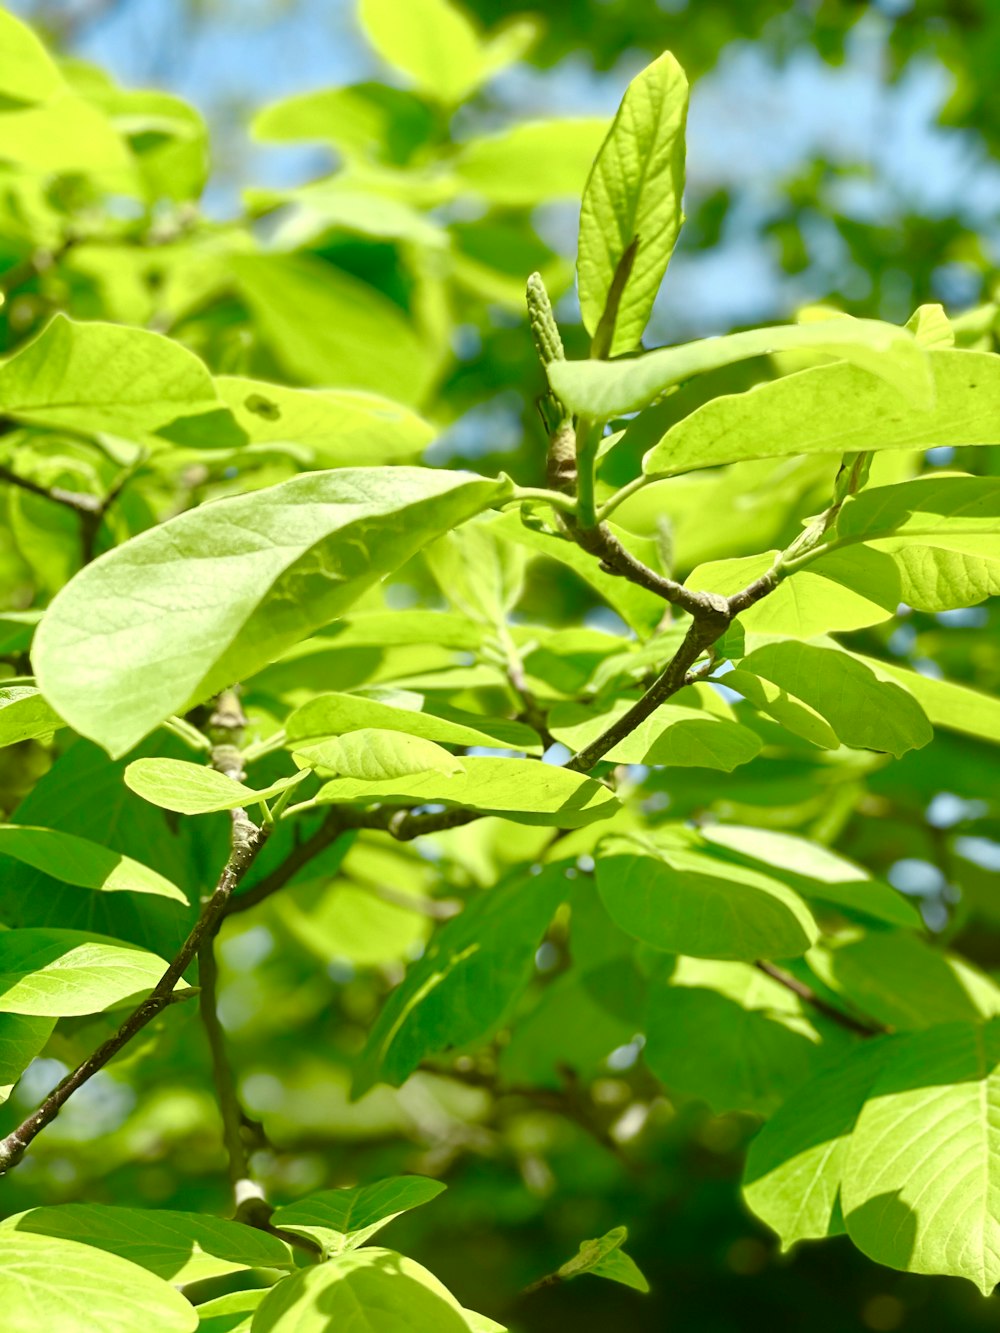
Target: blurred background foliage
point(839, 152)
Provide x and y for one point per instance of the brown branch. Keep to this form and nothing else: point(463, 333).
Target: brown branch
point(862, 1027)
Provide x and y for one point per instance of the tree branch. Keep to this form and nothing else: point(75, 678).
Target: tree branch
point(862, 1027)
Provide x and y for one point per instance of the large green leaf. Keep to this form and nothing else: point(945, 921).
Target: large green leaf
point(25, 715)
point(373, 754)
point(633, 197)
point(946, 703)
point(605, 389)
point(363, 119)
point(524, 790)
point(862, 710)
point(684, 902)
point(730, 1036)
point(344, 1219)
point(837, 409)
point(232, 1313)
point(532, 162)
point(674, 735)
point(62, 972)
point(796, 1163)
point(925, 507)
point(213, 595)
point(195, 789)
point(106, 378)
point(21, 1039)
point(182, 1247)
point(27, 71)
point(921, 1186)
point(338, 714)
point(363, 1291)
point(465, 983)
point(73, 860)
point(49, 1283)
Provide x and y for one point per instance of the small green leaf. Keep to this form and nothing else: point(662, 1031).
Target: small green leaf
point(48, 1283)
point(684, 902)
point(195, 789)
point(73, 860)
point(604, 1257)
point(58, 973)
point(523, 790)
point(181, 1247)
point(532, 162)
point(633, 195)
point(230, 1314)
point(337, 714)
point(179, 612)
point(21, 1039)
point(25, 715)
point(374, 755)
point(344, 1219)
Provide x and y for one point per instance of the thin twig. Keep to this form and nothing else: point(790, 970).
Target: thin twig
point(862, 1027)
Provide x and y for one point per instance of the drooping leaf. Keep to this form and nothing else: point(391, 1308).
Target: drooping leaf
point(945, 702)
point(60, 1284)
point(21, 1039)
point(606, 389)
point(520, 789)
point(465, 983)
point(74, 860)
point(338, 714)
point(195, 789)
point(633, 198)
point(344, 1219)
point(921, 1189)
point(181, 1247)
point(837, 409)
point(372, 754)
point(211, 596)
point(25, 715)
point(684, 902)
point(232, 1313)
point(532, 162)
point(675, 736)
point(61, 972)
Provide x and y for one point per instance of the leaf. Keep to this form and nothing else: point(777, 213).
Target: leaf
point(921, 1190)
point(322, 323)
point(344, 1219)
point(633, 195)
point(58, 973)
point(795, 1164)
point(479, 572)
point(946, 703)
point(674, 736)
point(25, 715)
point(814, 871)
point(364, 119)
point(98, 378)
point(925, 507)
point(683, 902)
point(606, 389)
point(463, 986)
point(523, 790)
point(337, 714)
point(731, 1036)
point(836, 409)
point(73, 860)
point(374, 755)
point(863, 711)
point(27, 71)
point(604, 1257)
point(181, 1247)
point(195, 789)
point(21, 1039)
point(365, 1291)
point(59, 1284)
point(211, 596)
point(620, 1267)
point(230, 1314)
point(338, 426)
point(532, 162)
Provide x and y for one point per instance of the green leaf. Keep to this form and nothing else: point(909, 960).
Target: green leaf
point(633, 195)
point(863, 711)
point(375, 755)
point(211, 596)
point(479, 571)
point(814, 871)
point(98, 378)
point(902, 982)
point(366, 120)
point(604, 1257)
point(181, 1247)
point(21, 1039)
point(66, 134)
point(684, 902)
point(344, 1219)
point(837, 409)
point(464, 985)
point(338, 714)
point(921, 1187)
point(796, 1163)
point(925, 507)
point(946, 703)
point(27, 71)
point(338, 426)
point(230, 1314)
point(895, 365)
point(731, 1036)
point(523, 790)
point(532, 162)
point(47, 1283)
point(25, 715)
point(365, 1291)
point(195, 789)
point(620, 1267)
point(674, 736)
point(58, 973)
point(73, 860)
